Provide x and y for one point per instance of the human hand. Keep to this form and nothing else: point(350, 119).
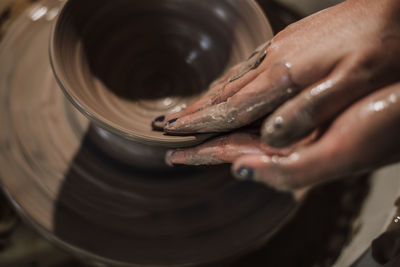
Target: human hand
point(364, 137)
point(324, 64)
point(331, 59)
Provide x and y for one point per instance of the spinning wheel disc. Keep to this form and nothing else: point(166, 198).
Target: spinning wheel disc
point(97, 207)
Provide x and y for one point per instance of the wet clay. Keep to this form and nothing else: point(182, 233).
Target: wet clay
point(127, 62)
point(66, 180)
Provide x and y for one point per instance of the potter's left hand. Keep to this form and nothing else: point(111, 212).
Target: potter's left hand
point(338, 65)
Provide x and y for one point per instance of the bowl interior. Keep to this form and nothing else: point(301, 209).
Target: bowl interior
point(125, 62)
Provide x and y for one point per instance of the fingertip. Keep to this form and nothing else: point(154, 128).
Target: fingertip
point(158, 123)
point(171, 126)
point(244, 173)
point(282, 131)
point(274, 133)
point(172, 129)
point(266, 169)
point(160, 118)
point(174, 115)
point(168, 157)
point(246, 167)
point(182, 126)
point(177, 157)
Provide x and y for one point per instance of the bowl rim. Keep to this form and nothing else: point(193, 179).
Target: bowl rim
point(101, 121)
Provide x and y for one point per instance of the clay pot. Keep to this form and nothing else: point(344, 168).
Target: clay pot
point(123, 63)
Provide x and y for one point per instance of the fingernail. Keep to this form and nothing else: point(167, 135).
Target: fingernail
point(160, 118)
point(157, 124)
point(172, 121)
point(278, 123)
point(275, 132)
point(244, 173)
point(272, 125)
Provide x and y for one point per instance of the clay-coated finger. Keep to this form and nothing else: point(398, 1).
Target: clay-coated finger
point(237, 78)
point(223, 149)
point(272, 170)
point(202, 102)
point(255, 100)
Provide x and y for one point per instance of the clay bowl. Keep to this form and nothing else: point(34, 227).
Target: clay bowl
point(122, 63)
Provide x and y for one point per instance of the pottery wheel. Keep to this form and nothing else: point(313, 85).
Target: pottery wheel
point(97, 207)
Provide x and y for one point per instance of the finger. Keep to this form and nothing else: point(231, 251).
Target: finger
point(226, 149)
point(223, 149)
point(248, 71)
point(202, 102)
point(286, 151)
point(252, 102)
point(222, 80)
point(222, 89)
point(276, 171)
point(319, 103)
point(217, 94)
point(361, 139)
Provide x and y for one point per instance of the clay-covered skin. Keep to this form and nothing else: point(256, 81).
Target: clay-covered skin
point(336, 70)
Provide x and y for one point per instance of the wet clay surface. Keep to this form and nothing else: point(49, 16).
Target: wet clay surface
point(127, 62)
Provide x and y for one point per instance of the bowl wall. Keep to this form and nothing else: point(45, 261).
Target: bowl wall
point(125, 62)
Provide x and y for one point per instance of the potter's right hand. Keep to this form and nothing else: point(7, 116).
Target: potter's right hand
point(361, 139)
point(312, 71)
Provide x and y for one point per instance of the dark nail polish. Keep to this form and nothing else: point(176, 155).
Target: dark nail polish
point(278, 123)
point(172, 121)
point(245, 173)
point(160, 119)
